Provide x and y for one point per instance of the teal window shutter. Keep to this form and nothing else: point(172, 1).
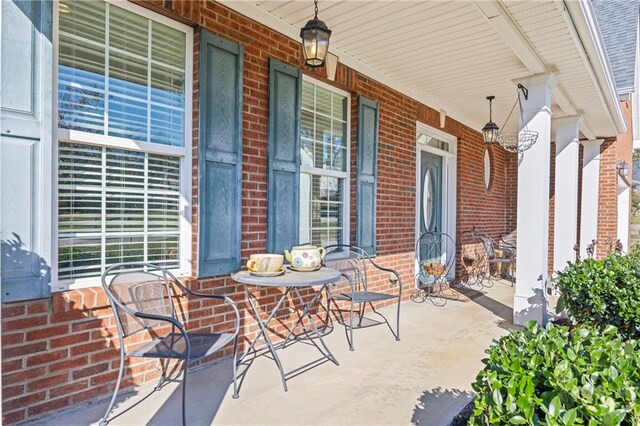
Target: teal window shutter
point(285, 86)
point(367, 174)
point(26, 144)
point(219, 156)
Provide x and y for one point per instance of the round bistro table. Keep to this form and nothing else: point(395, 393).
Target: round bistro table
point(292, 281)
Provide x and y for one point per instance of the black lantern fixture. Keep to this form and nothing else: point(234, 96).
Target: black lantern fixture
point(315, 40)
point(623, 168)
point(490, 130)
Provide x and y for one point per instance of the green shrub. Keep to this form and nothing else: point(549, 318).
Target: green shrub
point(555, 376)
point(603, 292)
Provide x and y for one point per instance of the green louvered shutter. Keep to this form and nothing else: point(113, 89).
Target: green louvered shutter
point(219, 156)
point(26, 146)
point(367, 174)
point(285, 86)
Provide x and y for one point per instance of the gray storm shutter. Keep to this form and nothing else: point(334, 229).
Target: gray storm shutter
point(26, 145)
point(285, 86)
point(367, 174)
point(219, 156)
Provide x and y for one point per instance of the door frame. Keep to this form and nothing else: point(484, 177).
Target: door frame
point(449, 179)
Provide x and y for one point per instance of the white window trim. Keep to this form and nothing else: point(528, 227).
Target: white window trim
point(185, 153)
point(346, 175)
point(449, 179)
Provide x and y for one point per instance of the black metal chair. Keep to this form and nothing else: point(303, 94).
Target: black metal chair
point(492, 260)
point(142, 298)
point(435, 257)
point(356, 267)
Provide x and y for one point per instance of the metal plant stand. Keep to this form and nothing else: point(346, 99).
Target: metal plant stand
point(473, 261)
point(291, 281)
point(435, 255)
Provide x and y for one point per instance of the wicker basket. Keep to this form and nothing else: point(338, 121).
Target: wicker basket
point(434, 268)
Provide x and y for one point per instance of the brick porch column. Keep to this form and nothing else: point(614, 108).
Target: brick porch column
point(566, 191)
point(530, 300)
point(590, 193)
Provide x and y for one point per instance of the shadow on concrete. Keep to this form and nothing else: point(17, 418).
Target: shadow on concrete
point(499, 309)
point(205, 395)
point(438, 407)
point(206, 392)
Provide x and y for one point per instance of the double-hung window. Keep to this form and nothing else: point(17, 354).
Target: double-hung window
point(124, 126)
point(324, 164)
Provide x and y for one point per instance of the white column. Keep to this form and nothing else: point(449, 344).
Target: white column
point(565, 234)
point(624, 200)
point(590, 192)
point(530, 300)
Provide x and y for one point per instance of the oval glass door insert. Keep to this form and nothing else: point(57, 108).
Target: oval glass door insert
point(428, 196)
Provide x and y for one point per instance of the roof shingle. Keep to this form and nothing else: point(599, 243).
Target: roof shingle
point(618, 22)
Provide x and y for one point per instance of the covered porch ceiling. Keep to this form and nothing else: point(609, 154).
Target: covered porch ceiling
point(452, 55)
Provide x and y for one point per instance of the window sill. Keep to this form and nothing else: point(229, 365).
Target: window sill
point(95, 282)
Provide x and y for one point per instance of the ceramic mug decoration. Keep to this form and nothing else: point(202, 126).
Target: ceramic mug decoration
point(305, 257)
point(265, 262)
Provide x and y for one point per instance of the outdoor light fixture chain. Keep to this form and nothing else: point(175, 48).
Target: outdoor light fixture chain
point(315, 9)
point(490, 110)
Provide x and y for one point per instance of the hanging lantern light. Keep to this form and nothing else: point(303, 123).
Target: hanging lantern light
point(315, 40)
point(515, 142)
point(490, 130)
point(623, 168)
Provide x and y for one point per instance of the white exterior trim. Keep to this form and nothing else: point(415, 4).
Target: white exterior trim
point(581, 23)
point(504, 25)
point(185, 153)
point(449, 170)
point(346, 175)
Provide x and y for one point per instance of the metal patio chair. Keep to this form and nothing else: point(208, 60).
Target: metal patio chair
point(142, 298)
point(492, 259)
point(435, 258)
point(357, 268)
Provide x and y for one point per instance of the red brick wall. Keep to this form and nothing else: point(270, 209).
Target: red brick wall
point(612, 150)
point(64, 350)
point(511, 191)
point(607, 198)
point(624, 141)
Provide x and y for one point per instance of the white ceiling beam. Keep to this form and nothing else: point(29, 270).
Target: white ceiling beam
point(504, 25)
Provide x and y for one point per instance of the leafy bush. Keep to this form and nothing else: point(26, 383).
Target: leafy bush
point(603, 292)
point(559, 377)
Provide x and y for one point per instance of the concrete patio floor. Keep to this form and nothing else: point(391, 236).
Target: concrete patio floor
point(424, 379)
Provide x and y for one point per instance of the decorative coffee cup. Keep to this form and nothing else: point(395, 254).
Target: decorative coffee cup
point(265, 262)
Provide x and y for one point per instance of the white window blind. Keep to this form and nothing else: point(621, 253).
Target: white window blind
point(116, 206)
point(323, 165)
point(121, 74)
